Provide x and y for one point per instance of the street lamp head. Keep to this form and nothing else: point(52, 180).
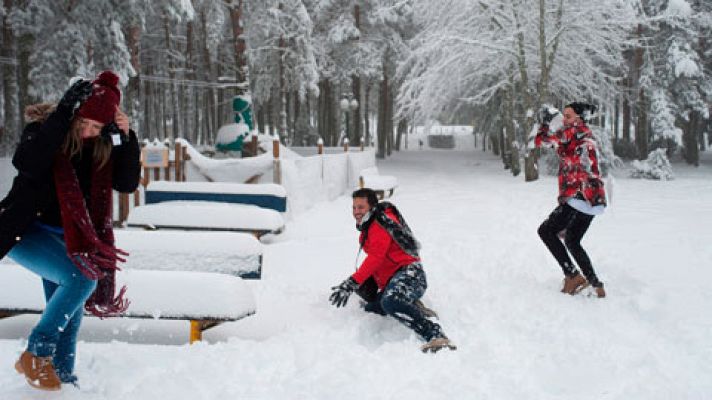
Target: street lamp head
point(344, 104)
point(353, 105)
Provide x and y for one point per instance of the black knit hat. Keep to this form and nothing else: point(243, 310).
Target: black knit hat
point(583, 110)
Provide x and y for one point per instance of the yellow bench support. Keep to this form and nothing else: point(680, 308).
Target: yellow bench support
point(198, 326)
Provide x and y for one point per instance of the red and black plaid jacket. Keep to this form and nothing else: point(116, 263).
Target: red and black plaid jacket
point(578, 162)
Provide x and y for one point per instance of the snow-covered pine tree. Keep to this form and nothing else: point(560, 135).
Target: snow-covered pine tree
point(281, 56)
point(544, 49)
point(677, 81)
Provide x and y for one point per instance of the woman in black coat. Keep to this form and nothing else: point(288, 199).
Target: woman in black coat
point(56, 220)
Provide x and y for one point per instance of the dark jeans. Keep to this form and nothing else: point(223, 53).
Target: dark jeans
point(575, 224)
point(406, 286)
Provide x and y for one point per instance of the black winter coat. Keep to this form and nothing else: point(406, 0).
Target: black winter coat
point(33, 193)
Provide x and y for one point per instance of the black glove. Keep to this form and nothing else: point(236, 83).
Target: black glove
point(546, 114)
point(113, 134)
point(76, 94)
point(341, 293)
point(368, 290)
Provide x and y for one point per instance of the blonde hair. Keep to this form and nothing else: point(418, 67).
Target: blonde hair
point(73, 145)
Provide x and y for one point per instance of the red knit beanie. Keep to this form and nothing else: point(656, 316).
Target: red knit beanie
point(101, 105)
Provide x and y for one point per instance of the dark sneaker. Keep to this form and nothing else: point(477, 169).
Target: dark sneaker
point(437, 344)
point(574, 284)
point(38, 371)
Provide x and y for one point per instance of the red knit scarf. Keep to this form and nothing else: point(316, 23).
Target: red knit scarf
point(88, 233)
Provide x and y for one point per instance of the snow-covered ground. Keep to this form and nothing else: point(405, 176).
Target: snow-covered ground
point(492, 281)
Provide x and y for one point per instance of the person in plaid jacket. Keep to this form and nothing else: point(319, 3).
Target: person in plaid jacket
point(581, 194)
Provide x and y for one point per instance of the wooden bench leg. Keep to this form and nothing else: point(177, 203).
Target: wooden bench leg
point(198, 326)
point(7, 314)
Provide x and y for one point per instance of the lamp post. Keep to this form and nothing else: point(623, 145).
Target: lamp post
point(347, 106)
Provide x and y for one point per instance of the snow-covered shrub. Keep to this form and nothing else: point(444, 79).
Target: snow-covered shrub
point(656, 166)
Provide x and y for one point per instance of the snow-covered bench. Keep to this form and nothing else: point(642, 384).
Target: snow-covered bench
point(384, 185)
point(207, 216)
point(232, 253)
point(268, 195)
point(204, 299)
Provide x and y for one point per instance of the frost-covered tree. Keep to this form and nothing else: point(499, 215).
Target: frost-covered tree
point(77, 46)
point(676, 79)
point(358, 45)
point(10, 93)
point(281, 54)
point(526, 51)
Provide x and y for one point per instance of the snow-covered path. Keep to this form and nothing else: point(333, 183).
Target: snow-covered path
point(493, 283)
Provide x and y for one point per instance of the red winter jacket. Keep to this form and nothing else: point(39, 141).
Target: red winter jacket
point(384, 258)
point(578, 162)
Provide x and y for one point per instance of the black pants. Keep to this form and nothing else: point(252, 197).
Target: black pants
point(397, 300)
point(575, 224)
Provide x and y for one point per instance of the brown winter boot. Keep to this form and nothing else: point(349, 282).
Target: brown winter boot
point(436, 344)
point(600, 292)
point(38, 371)
point(574, 284)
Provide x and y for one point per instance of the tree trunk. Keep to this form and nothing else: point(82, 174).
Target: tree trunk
point(616, 119)
point(11, 124)
point(380, 145)
point(173, 91)
point(209, 94)
point(511, 158)
point(133, 90)
point(641, 129)
point(366, 120)
point(269, 115)
point(25, 44)
point(402, 130)
point(382, 116)
point(691, 150)
point(282, 90)
point(261, 118)
point(242, 72)
point(187, 109)
point(626, 119)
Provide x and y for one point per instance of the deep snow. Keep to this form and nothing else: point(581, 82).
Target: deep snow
point(493, 283)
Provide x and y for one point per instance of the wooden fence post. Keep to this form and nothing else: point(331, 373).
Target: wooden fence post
point(178, 161)
point(320, 146)
point(277, 175)
point(184, 158)
point(123, 207)
point(255, 145)
point(363, 142)
point(167, 169)
point(146, 178)
point(346, 145)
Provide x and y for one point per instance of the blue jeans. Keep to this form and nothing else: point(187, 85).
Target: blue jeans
point(406, 286)
point(66, 290)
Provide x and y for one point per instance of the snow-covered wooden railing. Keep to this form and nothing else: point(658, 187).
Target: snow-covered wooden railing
point(156, 157)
